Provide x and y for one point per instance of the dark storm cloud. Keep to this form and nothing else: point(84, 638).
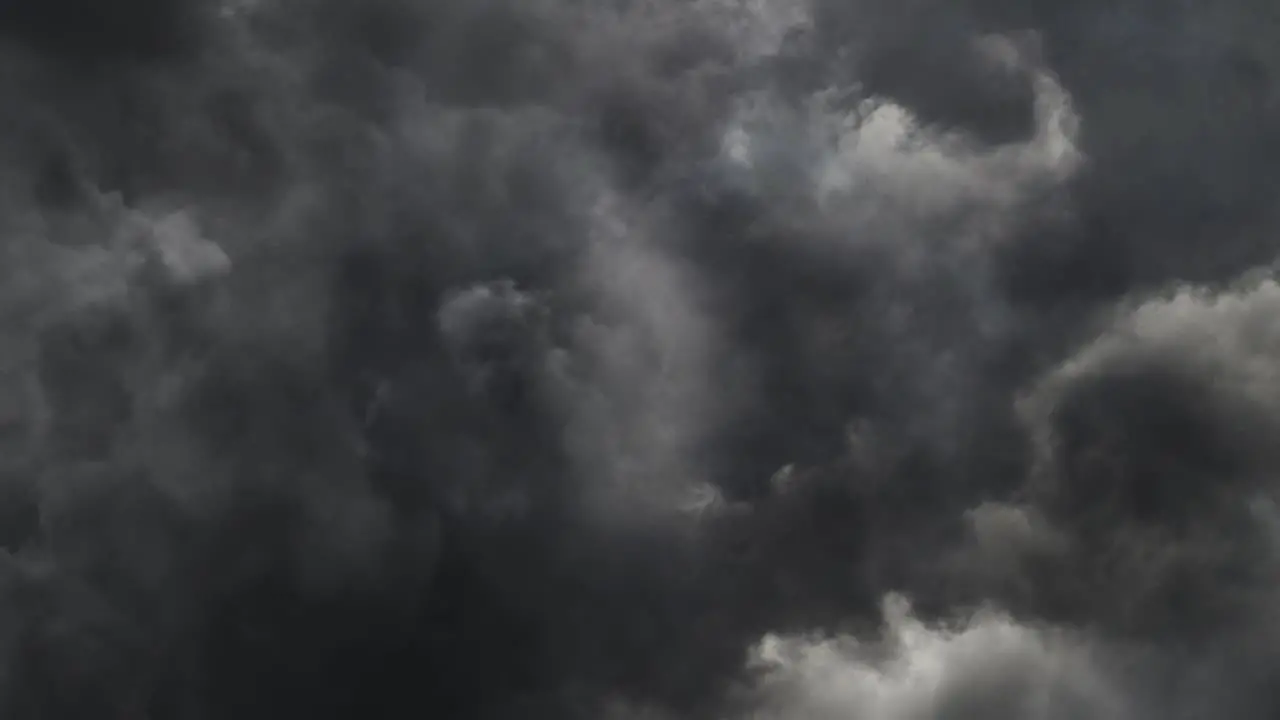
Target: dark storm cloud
point(92, 32)
point(637, 359)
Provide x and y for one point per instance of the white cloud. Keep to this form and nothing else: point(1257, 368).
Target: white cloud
point(874, 174)
point(989, 667)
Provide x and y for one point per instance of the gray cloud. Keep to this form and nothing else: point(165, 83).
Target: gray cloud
point(988, 666)
point(559, 359)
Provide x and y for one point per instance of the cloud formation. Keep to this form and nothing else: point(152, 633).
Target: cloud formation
point(642, 359)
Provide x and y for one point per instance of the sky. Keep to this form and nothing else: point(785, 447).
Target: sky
point(639, 360)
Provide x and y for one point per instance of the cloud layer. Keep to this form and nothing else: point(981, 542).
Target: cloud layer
point(642, 359)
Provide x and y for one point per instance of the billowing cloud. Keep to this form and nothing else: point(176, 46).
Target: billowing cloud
point(498, 359)
point(988, 666)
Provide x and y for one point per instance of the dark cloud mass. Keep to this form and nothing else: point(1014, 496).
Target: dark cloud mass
point(723, 360)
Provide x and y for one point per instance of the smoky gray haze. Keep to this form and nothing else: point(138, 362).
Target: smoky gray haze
point(639, 359)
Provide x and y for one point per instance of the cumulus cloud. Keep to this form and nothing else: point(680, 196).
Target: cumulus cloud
point(1152, 455)
point(987, 666)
